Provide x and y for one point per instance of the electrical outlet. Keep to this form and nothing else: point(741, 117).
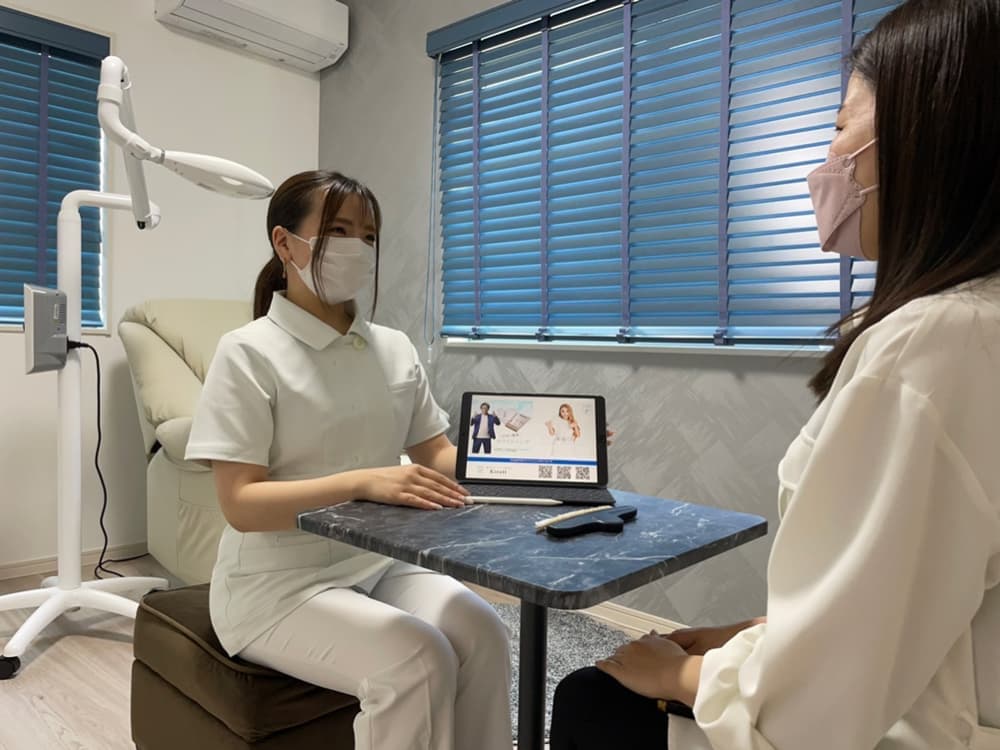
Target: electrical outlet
point(45, 343)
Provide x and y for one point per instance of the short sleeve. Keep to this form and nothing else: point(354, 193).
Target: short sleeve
point(428, 419)
point(233, 420)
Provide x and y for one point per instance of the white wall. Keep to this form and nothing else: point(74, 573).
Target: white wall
point(188, 95)
point(707, 428)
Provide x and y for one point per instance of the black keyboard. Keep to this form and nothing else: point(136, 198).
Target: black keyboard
point(568, 495)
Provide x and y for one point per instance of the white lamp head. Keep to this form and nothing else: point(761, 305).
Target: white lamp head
point(218, 175)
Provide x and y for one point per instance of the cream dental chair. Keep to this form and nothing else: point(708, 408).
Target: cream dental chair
point(169, 345)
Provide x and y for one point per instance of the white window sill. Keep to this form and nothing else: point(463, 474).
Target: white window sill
point(457, 343)
point(105, 332)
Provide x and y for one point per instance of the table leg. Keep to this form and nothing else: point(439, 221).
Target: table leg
point(531, 688)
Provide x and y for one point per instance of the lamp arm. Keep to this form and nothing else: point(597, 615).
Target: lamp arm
point(117, 120)
point(114, 112)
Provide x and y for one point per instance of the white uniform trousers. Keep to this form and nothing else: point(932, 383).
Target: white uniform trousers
point(427, 658)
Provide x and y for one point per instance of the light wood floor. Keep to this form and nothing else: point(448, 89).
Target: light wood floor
point(72, 692)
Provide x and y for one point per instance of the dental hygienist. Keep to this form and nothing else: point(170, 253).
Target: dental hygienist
point(310, 405)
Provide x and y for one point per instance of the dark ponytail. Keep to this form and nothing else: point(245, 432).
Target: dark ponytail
point(271, 279)
point(291, 203)
point(934, 69)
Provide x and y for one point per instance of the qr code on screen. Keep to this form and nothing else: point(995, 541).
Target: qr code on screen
point(565, 472)
point(583, 473)
point(545, 472)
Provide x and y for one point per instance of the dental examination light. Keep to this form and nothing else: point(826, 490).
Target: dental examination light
point(52, 336)
point(114, 110)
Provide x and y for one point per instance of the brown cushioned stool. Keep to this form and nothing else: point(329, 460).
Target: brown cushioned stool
point(187, 694)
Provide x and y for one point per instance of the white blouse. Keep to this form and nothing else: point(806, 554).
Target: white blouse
point(883, 601)
point(289, 392)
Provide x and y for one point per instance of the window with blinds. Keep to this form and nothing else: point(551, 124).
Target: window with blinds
point(636, 170)
point(50, 144)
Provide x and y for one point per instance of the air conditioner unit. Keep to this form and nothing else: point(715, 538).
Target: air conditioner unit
point(306, 34)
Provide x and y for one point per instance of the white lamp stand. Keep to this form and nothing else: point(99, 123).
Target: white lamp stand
point(65, 591)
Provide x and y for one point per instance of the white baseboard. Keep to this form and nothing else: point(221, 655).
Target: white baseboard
point(48, 564)
point(631, 621)
point(628, 620)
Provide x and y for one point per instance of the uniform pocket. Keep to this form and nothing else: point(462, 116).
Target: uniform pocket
point(284, 550)
point(408, 385)
point(295, 537)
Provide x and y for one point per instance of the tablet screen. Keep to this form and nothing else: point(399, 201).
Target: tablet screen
point(531, 439)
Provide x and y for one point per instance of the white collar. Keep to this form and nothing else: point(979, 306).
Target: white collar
point(309, 329)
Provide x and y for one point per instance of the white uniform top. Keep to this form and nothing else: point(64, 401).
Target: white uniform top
point(289, 392)
point(883, 600)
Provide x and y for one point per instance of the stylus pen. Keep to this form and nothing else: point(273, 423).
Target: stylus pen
point(542, 525)
point(474, 500)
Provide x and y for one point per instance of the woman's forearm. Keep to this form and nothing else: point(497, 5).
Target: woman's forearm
point(443, 461)
point(684, 687)
point(275, 505)
point(438, 454)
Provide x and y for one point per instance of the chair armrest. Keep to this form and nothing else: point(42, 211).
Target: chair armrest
point(172, 436)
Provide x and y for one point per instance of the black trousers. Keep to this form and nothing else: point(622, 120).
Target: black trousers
point(592, 711)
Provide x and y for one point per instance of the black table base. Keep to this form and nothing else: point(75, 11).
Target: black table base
point(531, 687)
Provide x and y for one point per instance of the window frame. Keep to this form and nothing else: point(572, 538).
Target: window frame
point(78, 42)
point(520, 17)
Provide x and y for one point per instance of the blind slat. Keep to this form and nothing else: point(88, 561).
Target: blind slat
point(561, 169)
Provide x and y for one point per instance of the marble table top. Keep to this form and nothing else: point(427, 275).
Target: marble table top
point(496, 546)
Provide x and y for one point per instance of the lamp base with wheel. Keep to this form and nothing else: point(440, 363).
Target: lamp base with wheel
point(103, 595)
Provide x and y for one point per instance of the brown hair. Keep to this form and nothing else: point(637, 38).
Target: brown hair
point(291, 203)
point(935, 72)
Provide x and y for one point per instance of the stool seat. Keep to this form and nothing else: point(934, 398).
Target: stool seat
point(177, 652)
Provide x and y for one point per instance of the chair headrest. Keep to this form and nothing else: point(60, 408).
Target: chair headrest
point(191, 327)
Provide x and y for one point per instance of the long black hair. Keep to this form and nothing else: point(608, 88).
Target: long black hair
point(934, 68)
point(290, 205)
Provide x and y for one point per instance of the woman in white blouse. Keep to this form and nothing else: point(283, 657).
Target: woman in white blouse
point(308, 406)
point(883, 598)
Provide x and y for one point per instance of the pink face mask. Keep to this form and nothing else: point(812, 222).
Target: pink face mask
point(837, 199)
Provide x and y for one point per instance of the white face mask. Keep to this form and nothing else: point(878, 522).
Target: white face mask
point(348, 267)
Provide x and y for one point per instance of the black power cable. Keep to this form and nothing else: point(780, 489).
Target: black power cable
point(101, 566)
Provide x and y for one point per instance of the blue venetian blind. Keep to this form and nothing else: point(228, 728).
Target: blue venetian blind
point(786, 72)
point(459, 212)
point(674, 169)
point(509, 183)
point(636, 170)
point(50, 144)
point(586, 106)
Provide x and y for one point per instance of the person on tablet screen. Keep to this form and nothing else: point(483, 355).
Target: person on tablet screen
point(484, 430)
point(565, 432)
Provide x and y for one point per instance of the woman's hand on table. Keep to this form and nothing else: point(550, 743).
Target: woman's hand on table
point(415, 486)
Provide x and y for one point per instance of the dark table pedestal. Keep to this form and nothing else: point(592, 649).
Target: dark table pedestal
point(531, 689)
